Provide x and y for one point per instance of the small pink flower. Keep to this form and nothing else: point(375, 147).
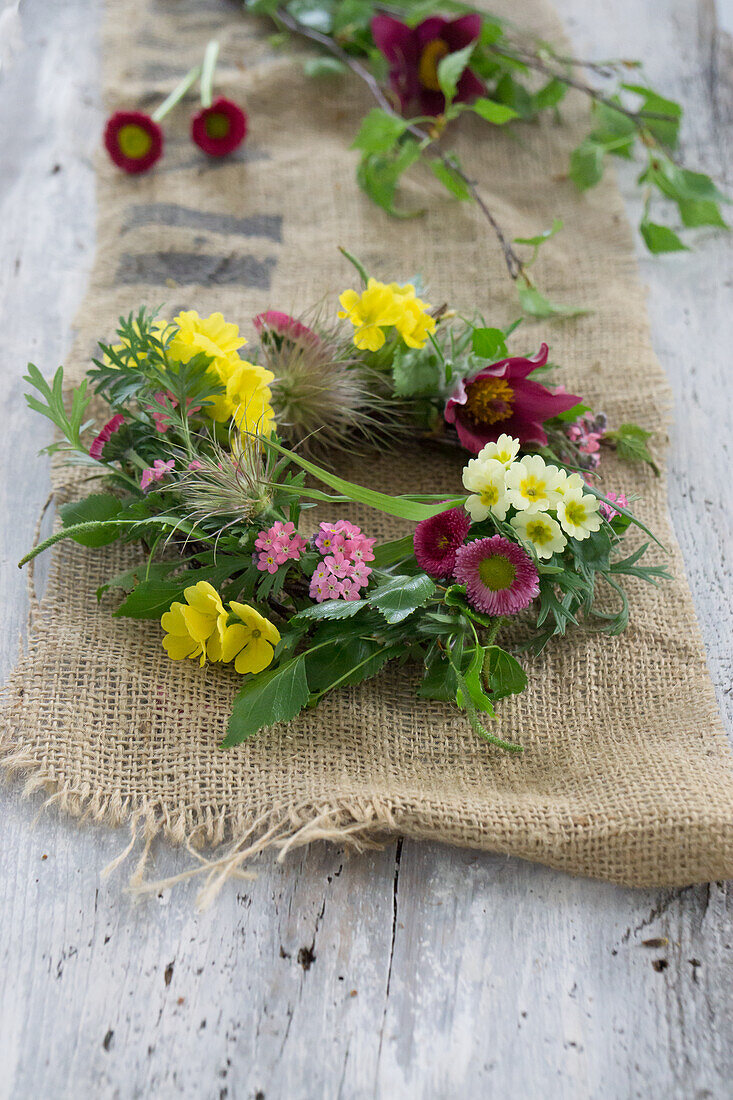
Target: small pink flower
point(109, 429)
point(333, 587)
point(329, 538)
point(437, 539)
point(609, 512)
point(338, 564)
point(268, 561)
point(360, 574)
point(156, 472)
point(350, 591)
point(195, 465)
point(360, 548)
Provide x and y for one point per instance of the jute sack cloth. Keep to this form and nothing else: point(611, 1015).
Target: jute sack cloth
point(626, 773)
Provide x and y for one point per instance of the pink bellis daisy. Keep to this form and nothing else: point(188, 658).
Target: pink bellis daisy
point(503, 399)
point(414, 54)
point(109, 429)
point(437, 539)
point(500, 578)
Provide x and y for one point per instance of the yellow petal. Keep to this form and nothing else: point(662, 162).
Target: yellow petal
point(178, 648)
point(173, 620)
point(204, 598)
point(254, 657)
point(199, 626)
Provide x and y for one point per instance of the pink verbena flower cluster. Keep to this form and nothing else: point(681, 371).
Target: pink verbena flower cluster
point(278, 544)
point(343, 572)
point(606, 509)
point(586, 433)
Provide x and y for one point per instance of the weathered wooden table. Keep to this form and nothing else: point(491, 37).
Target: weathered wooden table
point(418, 971)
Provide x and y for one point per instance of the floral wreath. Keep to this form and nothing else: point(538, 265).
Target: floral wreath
point(212, 462)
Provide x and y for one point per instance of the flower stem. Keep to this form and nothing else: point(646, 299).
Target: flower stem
point(177, 94)
point(494, 629)
point(208, 68)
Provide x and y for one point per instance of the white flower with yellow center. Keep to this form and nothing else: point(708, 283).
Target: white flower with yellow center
point(505, 450)
point(485, 481)
point(578, 513)
point(570, 483)
point(532, 485)
point(541, 531)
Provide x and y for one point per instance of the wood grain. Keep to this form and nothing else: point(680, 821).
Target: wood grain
point(419, 971)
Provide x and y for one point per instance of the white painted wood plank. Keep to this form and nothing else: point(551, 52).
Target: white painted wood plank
point(444, 951)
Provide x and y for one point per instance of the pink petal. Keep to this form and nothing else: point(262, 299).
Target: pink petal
point(460, 32)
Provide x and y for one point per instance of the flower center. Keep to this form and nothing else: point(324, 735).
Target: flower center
point(427, 69)
point(489, 400)
point(443, 543)
point(532, 489)
point(539, 532)
point(133, 141)
point(217, 125)
point(575, 512)
point(497, 573)
point(489, 496)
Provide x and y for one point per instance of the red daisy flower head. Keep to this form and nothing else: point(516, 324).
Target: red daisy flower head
point(274, 323)
point(133, 141)
point(220, 128)
point(109, 429)
point(437, 539)
point(502, 398)
point(414, 54)
point(500, 577)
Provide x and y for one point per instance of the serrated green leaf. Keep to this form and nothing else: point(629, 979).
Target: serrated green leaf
point(400, 596)
point(276, 695)
point(379, 132)
point(696, 212)
point(489, 343)
point(450, 180)
point(534, 303)
point(324, 66)
point(416, 372)
point(330, 609)
point(540, 238)
point(660, 238)
point(379, 175)
point(503, 673)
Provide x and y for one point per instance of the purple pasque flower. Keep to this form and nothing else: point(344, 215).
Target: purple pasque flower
point(503, 399)
point(414, 54)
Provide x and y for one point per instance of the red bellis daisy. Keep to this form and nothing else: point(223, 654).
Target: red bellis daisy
point(502, 398)
point(133, 140)
point(414, 54)
point(437, 539)
point(219, 129)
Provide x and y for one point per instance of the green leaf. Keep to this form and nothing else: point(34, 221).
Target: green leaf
point(496, 113)
point(540, 238)
point(276, 695)
point(379, 175)
point(96, 508)
point(330, 609)
point(592, 555)
point(416, 372)
point(665, 130)
point(550, 94)
point(489, 343)
point(347, 662)
point(400, 596)
point(389, 553)
point(439, 681)
point(451, 69)
point(471, 685)
point(586, 164)
point(455, 596)
point(503, 673)
point(616, 132)
point(631, 444)
point(382, 502)
point(324, 66)
point(537, 305)
point(660, 238)
point(379, 132)
point(450, 180)
point(695, 212)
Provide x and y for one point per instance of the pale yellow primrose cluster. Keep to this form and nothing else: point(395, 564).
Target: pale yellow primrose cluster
point(202, 627)
point(248, 398)
point(549, 503)
point(382, 306)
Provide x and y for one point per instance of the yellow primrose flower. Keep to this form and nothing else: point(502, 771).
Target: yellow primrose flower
point(532, 484)
point(505, 450)
point(376, 308)
point(249, 398)
point(570, 483)
point(415, 324)
point(485, 479)
point(250, 642)
point(189, 626)
point(541, 531)
point(578, 513)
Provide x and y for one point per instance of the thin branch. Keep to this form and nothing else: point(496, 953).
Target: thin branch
point(514, 264)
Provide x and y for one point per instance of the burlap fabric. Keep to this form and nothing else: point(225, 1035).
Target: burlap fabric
point(626, 774)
